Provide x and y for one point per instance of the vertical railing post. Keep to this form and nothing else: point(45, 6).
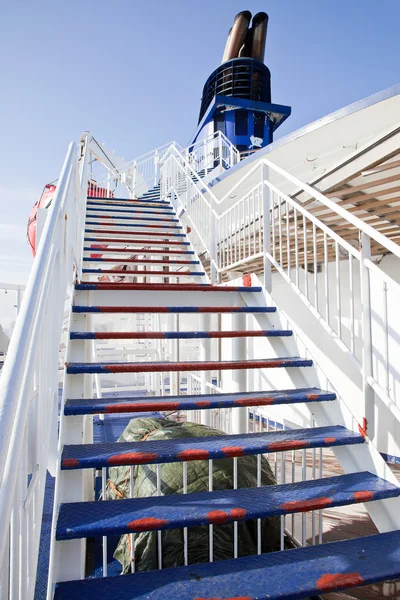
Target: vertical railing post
point(369, 396)
point(205, 355)
point(155, 167)
point(205, 158)
point(239, 376)
point(231, 155)
point(213, 250)
point(134, 174)
point(108, 184)
point(265, 192)
point(220, 148)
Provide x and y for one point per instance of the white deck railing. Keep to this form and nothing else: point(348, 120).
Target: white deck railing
point(29, 382)
point(269, 228)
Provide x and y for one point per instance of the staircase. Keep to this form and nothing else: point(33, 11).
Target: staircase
point(106, 259)
point(174, 284)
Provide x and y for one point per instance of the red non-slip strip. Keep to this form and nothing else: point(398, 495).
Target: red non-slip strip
point(157, 335)
point(146, 242)
point(138, 273)
point(155, 233)
point(191, 366)
point(165, 287)
point(141, 260)
point(137, 250)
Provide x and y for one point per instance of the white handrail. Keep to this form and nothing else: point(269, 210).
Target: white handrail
point(29, 379)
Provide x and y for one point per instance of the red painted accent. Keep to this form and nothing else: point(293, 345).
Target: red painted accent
point(178, 366)
point(218, 517)
point(259, 401)
point(132, 458)
point(233, 451)
point(363, 496)
point(137, 273)
point(140, 406)
point(188, 229)
point(145, 242)
point(151, 262)
point(185, 287)
point(363, 428)
point(305, 505)
point(139, 251)
point(237, 513)
point(112, 217)
point(147, 524)
point(194, 454)
point(312, 396)
point(144, 225)
point(247, 280)
point(135, 203)
point(70, 462)
point(128, 335)
point(123, 231)
point(203, 403)
point(288, 445)
point(329, 440)
point(334, 581)
point(232, 598)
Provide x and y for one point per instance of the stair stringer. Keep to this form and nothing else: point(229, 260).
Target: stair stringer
point(365, 457)
point(67, 561)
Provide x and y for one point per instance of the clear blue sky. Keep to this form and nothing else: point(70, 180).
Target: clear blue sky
point(132, 73)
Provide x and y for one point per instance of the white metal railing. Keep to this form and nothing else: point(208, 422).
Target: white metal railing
point(29, 382)
point(271, 231)
point(210, 152)
point(143, 173)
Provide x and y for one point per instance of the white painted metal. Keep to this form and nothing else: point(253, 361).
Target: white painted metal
point(29, 380)
point(265, 225)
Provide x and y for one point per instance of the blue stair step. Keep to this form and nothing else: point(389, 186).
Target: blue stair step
point(184, 287)
point(166, 366)
point(84, 456)
point(142, 274)
point(163, 235)
point(136, 241)
point(89, 519)
point(168, 309)
point(175, 335)
point(140, 251)
point(139, 211)
point(129, 218)
point(138, 201)
point(142, 225)
point(96, 406)
point(122, 259)
point(287, 575)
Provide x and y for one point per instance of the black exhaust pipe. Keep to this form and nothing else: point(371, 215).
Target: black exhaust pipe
point(237, 36)
point(255, 45)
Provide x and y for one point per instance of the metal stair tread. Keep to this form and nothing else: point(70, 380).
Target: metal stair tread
point(138, 251)
point(167, 309)
point(89, 519)
point(81, 406)
point(80, 456)
point(161, 366)
point(146, 273)
point(112, 200)
point(189, 287)
point(124, 260)
point(142, 225)
point(176, 335)
point(291, 574)
point(135, 241)
point(165, 235)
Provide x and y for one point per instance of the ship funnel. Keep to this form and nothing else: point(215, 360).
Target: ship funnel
point(237, 35)
point(257, 36)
